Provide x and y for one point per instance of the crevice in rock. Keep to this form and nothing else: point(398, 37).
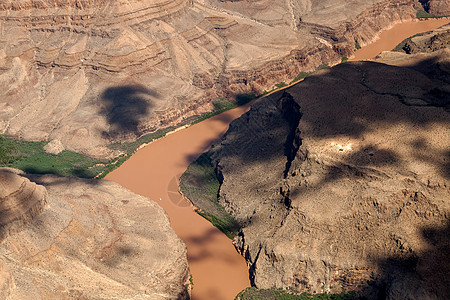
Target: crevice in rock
point(425, 4)
point(252, 268)
point(290, 111)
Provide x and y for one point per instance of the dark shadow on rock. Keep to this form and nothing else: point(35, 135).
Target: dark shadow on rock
point(422, 275)
point(359, 98)
point(348, 101)
point(124, 107)
point(48, 178)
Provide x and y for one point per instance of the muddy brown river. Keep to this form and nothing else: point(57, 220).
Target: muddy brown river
point(218, 271)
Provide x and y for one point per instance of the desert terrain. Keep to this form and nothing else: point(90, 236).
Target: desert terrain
point(347, 187)
point(128, 68)
point(336, 188)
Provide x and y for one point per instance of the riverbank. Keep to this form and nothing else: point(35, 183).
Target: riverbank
point(219, 272)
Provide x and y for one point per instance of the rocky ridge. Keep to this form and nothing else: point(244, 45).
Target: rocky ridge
point(346, 187)
point(130, 67)
point(95, 240)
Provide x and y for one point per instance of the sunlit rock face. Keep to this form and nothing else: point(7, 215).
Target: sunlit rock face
point(93, 240)
point(21, 201)
point(85, 74)
point(342, 181)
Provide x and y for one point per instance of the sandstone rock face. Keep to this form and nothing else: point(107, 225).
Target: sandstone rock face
point(20, 202)
point(96, 240)
point(89, 73)
point(342, 181)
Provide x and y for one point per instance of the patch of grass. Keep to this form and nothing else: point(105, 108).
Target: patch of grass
point(423, 15)
point(301, 75)
point(199, 183)
point(253, 293)
point(7, 150)
point(357, 46)
point(321, 67)
point(280, 85)
point(227, 224)
point(130, 147)
point(32, 158)
point(191, 280)
point(344, 59)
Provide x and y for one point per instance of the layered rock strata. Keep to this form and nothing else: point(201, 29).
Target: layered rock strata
point(20, 202)
point(96, 240)
point(84, 74)
point(342, 181)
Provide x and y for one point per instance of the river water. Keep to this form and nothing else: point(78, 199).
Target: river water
point(219, 272)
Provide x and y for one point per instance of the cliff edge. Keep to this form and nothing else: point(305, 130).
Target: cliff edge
point(342, 181)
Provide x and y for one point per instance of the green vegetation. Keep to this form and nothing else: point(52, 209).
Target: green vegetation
point(344, 59)
point(191, 280)
point(357, 46)
point(32, 158)
point(253, 293)
point(220, 105)
point(400, 46)
point(199, 183)
point(300, 76)
point(280, 85)
point(423, 15)
point(321, 67)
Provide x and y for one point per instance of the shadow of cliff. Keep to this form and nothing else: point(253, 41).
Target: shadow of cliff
point(50, 179)
point(124, 107)
point(201, 242)
point(349, 102)
point(422, 275)
point(359, 98)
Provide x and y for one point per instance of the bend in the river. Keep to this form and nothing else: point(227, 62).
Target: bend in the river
point(219, 272)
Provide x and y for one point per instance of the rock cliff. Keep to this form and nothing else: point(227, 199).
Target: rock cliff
point(95, 240)
point(84, 74)
point(437, 7)
point(346, 187)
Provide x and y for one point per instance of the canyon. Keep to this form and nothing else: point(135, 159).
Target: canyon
point(346, 187)
point(129, 68)
point(331, 189)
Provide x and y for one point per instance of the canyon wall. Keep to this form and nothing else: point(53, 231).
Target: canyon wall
point(85, 239)
point(437, 7)
point(85, 74)
point(341, 181)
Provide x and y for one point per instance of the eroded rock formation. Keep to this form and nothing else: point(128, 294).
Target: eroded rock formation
point(96, 240)
point(342, 181)
point(20, 202)
point(85, 74)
